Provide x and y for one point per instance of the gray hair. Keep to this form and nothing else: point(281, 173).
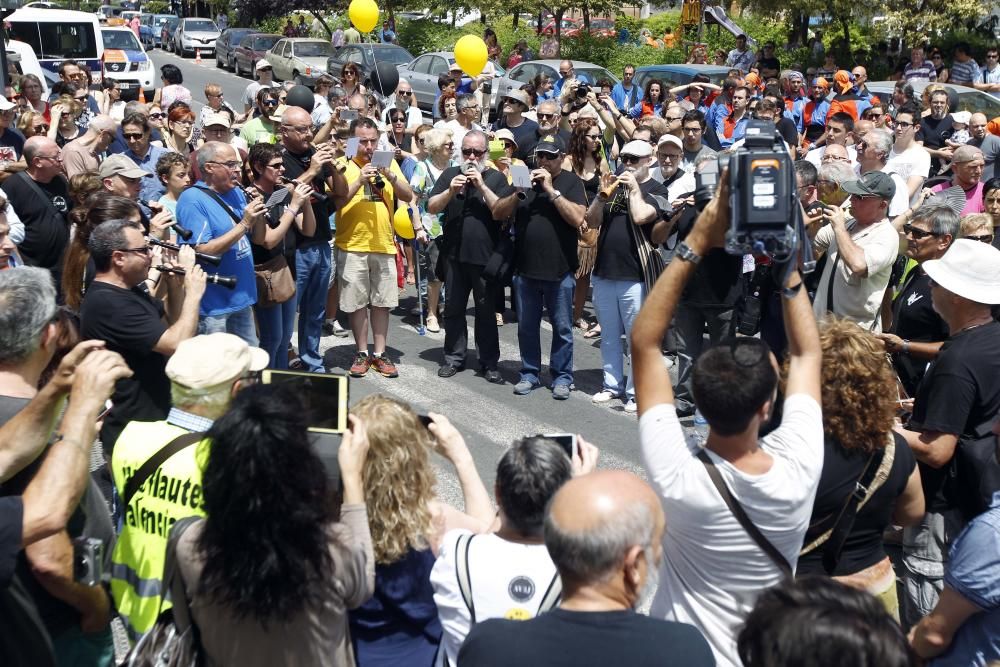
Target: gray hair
point(435, 138)
point(942, 218)
point(476, 134)
point(838, 172)
point(466, 101)
point(593, 555)
point(552, 104)
point(881, 140)
point(209, 152)
point(106, 238)
point(214, 401)
point(27, 305)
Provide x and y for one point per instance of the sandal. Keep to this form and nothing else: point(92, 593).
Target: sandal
point(582, 324)
point(593, 333)
point(411, 279)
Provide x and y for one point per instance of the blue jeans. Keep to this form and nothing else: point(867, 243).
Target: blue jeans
point(276, 325)
point(616, 302)
point(312, 280)
point(557, 298)
point(239, 324)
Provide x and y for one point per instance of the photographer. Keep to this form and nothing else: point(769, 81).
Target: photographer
point(712, 569)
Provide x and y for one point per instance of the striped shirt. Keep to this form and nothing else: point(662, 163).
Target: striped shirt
point(964, 73)
point(925, 72)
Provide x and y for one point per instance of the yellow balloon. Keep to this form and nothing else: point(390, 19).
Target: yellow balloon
point(402, 223)
point(364, 14)
point(471, 55)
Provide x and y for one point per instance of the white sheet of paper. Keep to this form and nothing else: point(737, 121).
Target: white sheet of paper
point(382, 159)
point(520, 176)
point(352, 147)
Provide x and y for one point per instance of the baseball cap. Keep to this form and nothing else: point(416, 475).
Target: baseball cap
point(637, 149)
point(207, 361)
point(519, 95)
point(666, 139)
point(552, 143)
point(120, 165)
point(875, 183)
point(261, 64)
point(966, 154)
point(5, 104)
point(217, 119)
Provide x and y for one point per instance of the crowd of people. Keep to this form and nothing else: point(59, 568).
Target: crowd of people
point(837, 503)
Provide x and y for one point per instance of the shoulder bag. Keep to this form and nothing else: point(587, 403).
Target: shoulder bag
point(873, 476)
point(974, 472)
point(156, 460)
point(758, 537)
point(649, 258)
point(173, 640)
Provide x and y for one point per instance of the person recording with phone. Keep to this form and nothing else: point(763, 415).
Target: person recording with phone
point(366, 252)
point(276, 317)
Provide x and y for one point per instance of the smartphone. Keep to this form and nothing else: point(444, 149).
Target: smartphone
point(348, 114)
point(565, 440)
point(325, 396)
point(425, 420)
point(496, 149)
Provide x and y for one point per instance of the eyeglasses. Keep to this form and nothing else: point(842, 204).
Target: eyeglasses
point(277, 165)
point(918, 234)
point(144, 250)
point(473, 151)
point(984, 238)
point(133, 136)
point(673, 118)
point(233, 164)
point(57, 157)
point(669, 156)
point(157, 116)
point(546, 116)
point(992, 56)
point(631, 159)
point(902, 124)
point(404, 92)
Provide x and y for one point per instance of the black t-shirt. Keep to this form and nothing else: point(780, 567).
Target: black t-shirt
point(617, 255)
point(524, 133)
point(914, 318)
point(786, 128)
point(768, 63)
point(130, 322)
point(544, 243)
point(14, 139)
point(11, 524)
point(470, 232)
point(563, 638)
point(46, 230)
point(841, 469)
point(526, 145)
point(718, 277)
point(295, 165)
point(284, 247)
point(934, 132)
point(959, 392)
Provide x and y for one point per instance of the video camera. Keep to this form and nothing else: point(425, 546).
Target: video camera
point(763, 200)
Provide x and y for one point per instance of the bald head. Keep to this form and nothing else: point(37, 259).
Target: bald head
point(295, 115)
point(102, 123)
point(604, 529)
point(835, 153)
point(977, 126)
point(862, 127)
point(38, 144)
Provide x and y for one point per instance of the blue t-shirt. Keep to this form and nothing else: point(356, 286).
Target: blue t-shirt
point(200, 213)
point(626, 99)
point(974, 573)
point(152, 187)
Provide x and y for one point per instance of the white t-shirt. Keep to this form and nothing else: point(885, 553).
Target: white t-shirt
point(508, 580)
point(855, 297)
point(914, 161)
point(712, 570)
point(250, 94)
point(815, 156)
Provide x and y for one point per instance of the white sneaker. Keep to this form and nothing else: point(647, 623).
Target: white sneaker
point(603, 396)
point(630, 407)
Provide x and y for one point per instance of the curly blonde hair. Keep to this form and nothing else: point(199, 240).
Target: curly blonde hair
point(399, 480)
point(859, 390)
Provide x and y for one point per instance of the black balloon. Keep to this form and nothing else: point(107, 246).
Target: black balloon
point(301, 96)
point(385, 78)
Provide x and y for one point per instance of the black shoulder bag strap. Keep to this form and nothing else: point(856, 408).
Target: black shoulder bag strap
point(30, 182)
point(156, 460)
point(845, 522)
point(218, 200)
point(741, 516)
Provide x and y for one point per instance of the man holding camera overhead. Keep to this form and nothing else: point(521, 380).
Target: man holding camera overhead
point(366, 252)
point(545, 261)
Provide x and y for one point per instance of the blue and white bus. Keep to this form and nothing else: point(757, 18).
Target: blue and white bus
point(59, 34)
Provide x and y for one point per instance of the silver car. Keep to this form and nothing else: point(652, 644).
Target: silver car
point(526, 72)
point(299, 59)
point(969, 99)
point(195, 34)
point(423, 73)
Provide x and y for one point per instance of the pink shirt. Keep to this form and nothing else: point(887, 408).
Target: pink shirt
point(973, 198)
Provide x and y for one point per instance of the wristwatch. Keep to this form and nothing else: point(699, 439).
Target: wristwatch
point(555, 195)
point(688, 255)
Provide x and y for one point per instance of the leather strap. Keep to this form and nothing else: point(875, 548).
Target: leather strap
point(741, 516)
point(155, 461)
point(863, 489)
point(221, 202)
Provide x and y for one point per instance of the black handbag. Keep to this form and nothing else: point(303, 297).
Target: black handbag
point(974, 472)
point(500, 266)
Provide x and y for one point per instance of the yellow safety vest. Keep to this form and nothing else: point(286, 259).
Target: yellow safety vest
point(171, 493)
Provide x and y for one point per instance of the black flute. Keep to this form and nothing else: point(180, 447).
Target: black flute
point(225, 281)
point(214, 260)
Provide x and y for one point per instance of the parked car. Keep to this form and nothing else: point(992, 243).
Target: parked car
point(525, 72)
point(679, 74)
point(105, 12)
point(153, 26)
point(423, 74)
point(225, 46)
point(126, 62)
point(299, 59)
point(195, 34)
point(365, 56)
point(21, 59)
point(603, 28)
point(567, 27)
point(252, 48)
point(969, 99)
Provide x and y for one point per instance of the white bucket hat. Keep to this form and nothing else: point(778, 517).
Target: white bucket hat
point(970, 269)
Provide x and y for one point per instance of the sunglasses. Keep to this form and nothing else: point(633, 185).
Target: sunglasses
point(631, 159)
point(920, 234)
point(984, 238)
point(157, 116)
point(42, 128)
point(546, 156)
point(133, 137)
point(546, 116)
point(404, 92)
point(473, 151)
point(270, 103)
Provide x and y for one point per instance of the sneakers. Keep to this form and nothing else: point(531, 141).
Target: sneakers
point(493, 376)
point(604, 396)
point(333, 328)
point(360, 365)
point(560, 392)
point(384, 367)
point(524, 387)
point(630, 407)
point(432, 324)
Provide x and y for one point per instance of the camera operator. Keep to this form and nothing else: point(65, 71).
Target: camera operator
point(861, 251)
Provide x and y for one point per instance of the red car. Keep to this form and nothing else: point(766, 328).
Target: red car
point(603, 28)
point(567, 27)
point(251, 49)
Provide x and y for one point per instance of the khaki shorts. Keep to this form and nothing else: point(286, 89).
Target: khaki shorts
point(366, 279)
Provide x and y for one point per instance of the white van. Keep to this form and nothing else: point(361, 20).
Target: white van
point(56, 35)
point(23, 61)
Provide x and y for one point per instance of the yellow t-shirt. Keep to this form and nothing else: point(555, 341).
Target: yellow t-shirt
point(364, 223)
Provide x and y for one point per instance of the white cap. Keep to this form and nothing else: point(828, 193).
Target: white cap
point(210, 360)
point(261, 64)
point(5, 104)
point(670, 139)
point(970, 269)
point(637, 149)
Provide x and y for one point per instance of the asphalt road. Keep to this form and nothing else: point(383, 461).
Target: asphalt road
point(490, 416)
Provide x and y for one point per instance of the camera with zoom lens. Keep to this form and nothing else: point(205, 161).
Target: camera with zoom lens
point(763, 200)
point(583, 90)
point(88, 561)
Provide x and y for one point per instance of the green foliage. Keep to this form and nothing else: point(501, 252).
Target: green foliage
point(156, 6)
point(658, 23)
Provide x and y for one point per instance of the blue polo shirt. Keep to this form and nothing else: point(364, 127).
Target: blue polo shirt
point(151, 188)
point(204, 216)
point(626, 99)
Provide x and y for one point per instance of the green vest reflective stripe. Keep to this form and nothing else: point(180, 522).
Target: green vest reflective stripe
point(171, 493)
